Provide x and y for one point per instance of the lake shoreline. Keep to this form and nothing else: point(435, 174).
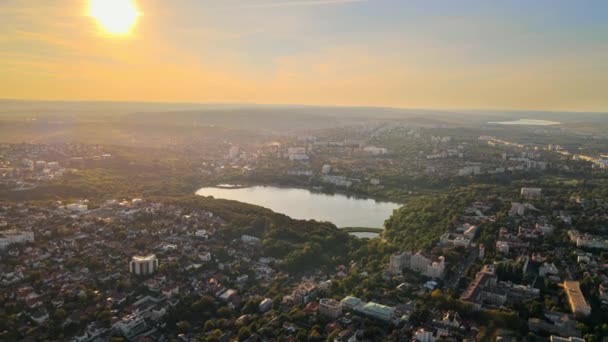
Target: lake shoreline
point(312, 189)
point(342, 210)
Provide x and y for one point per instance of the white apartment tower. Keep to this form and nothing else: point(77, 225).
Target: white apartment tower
point(143, 265)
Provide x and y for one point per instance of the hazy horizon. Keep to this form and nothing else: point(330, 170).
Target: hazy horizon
point(235, 105)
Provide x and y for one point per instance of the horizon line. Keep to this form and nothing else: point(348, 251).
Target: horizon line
point(302, 105)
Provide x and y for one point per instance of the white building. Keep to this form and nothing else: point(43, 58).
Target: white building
point(424, 335)
point(250, 239)
point(9, 237)
point(305, 292)
point(482, 251)
point(554, 338)
point(547, 268)
point(202, 233)
point(205, 256)
point(131, 326)
point(419, 263)
point(398, 262)
point(143, 265)
point(517, 209)
point(469, 170)
point(77, 207)
point(330, 308)
point(436, 268)
point(265, 305)
point(587, 240)
point(375, 150)
point(457, 240)
point(530, 193)
point(297, 153)
point(337, 180)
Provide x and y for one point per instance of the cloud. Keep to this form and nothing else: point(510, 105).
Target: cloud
point(298, 3)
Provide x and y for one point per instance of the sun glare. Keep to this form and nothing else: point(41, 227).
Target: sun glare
point(114, 16)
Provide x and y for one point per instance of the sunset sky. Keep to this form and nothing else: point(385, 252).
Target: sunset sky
point(474, 54)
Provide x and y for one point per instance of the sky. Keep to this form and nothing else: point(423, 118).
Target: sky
point(461, 54)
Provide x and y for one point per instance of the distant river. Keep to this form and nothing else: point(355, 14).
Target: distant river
point(529, 122)
point(341, 210)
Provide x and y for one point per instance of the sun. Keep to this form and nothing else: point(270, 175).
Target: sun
point(114, 16)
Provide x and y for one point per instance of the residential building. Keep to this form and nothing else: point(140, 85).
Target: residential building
point(547, 269)
point(305, 292)
point(398, 262)
point(252, 240)
point(424, 335)
point(77, 207)
point(13, 236)
point(576, 299)
point(202, 233)
point(418, 262)
point(143, 265)
point(554, 338)
point(132, 326)
point(330, 308)
point(265, 305)
point(555, 323)
point(482, 251)
point(458, 240)
point(530, 193)
point(587, 240)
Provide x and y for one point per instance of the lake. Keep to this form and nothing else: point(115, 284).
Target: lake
point(341, 210)
point(528, 122)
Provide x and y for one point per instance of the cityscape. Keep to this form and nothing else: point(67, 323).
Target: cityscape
point(303, 170)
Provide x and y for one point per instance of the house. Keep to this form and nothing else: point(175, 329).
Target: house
point(202, 234)
point(547, 269)
point(265, 305)
point(252, 240)
point(530, 193)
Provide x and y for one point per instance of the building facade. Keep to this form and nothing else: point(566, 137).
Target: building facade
point(143, 265)
point(330, 308)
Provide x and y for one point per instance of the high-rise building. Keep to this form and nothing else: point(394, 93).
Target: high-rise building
point(399, 261)
point(143, 265)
